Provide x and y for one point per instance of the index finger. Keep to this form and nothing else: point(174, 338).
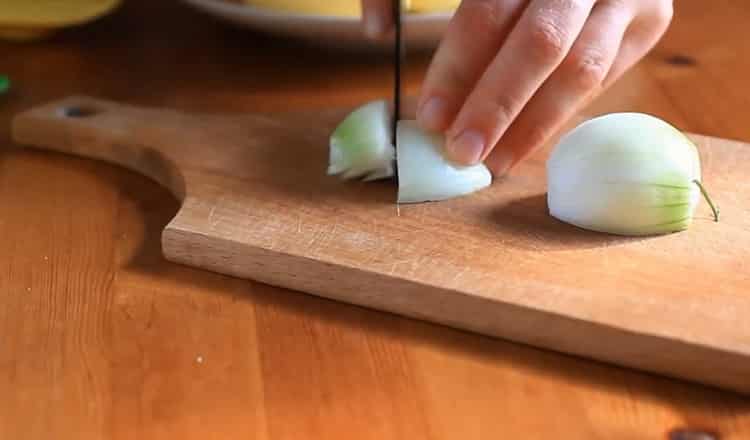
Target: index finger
point(475, 35)
point(377, 17)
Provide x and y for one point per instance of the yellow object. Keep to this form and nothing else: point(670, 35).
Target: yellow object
point(434, 5)
point(24, 20)
point(347, 8)
point(343, 8)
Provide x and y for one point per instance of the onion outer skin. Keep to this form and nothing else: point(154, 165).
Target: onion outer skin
point(425, 175)
point(361, 146)
point(626, 174)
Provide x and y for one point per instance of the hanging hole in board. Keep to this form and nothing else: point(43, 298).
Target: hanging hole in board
point(77, 111)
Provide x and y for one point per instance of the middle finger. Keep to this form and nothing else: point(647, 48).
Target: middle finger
point(535, 47)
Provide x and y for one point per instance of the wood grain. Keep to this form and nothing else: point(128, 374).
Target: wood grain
point(106, 343)
point(257, 204)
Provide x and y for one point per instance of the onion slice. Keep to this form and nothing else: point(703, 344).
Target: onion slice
point(625, 174)
point(425, 175)
point(361, 146)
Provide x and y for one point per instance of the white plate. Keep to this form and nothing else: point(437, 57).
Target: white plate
point(420, 31)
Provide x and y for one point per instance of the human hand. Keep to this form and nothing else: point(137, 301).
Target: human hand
point(509, 73)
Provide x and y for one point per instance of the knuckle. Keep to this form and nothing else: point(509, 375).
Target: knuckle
point(588, 69)
point(564, 5)
point(572, 5)
point(501, 111)
point(484, 14)
point(548, 39)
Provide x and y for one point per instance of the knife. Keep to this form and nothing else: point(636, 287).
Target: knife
point(398, 54)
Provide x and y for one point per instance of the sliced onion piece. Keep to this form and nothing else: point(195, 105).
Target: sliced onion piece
point(626, 174)
point(423, 172)
point(361, 146)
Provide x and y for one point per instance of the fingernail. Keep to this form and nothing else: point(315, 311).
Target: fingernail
point(432, 114)
point(374, 26)
point(467, 147)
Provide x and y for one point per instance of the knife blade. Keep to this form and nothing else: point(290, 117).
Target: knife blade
point(398, 54)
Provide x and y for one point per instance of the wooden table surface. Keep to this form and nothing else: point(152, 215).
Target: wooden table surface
point(101, 338)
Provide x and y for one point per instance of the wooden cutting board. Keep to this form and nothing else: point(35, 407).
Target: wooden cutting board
point(257, 204)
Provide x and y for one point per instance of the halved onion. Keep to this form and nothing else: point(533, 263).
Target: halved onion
point(627, 174)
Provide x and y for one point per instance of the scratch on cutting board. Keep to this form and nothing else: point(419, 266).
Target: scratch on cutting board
point(460, 273)
point(329, 236)
point(421, 215)
point(412, 265)
point(313, 239)
point(213, 219)
point(393, 267)
point(395, 264)
point(326, 236)
point(212, 224)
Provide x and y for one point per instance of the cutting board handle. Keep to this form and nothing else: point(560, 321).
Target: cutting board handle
point(102, 130)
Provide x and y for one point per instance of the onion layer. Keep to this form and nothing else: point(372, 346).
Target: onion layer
point(361, 146)
point(423, 172)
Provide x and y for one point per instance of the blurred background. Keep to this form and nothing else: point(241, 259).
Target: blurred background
point(237, 51)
